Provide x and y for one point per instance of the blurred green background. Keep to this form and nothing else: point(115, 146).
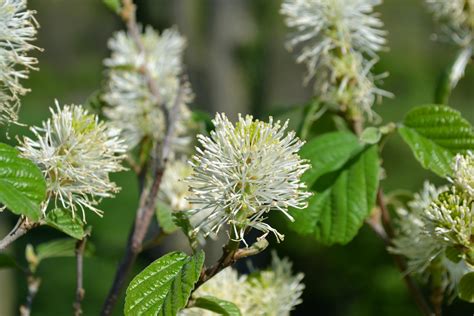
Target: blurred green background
point(236, 62)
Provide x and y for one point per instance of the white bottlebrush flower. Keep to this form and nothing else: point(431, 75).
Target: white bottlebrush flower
point(17, 30)
point(226, 285)
point(174, 190)
point(276, 291)
point(417, 240)
point(323, 26)
point(347, 82)
point(339, 40)
point(412, 240)
point(272, 292)
point(242, 173)
point(464, 172)
point(76, 153)
point(456, 18)
point(451, 218)
point(132, 106)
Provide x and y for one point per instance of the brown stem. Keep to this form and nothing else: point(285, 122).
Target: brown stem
point(231, 253)
point(20, 229)
point(382, 226)
point(33, 287)
point(80, 292)
point(399, 260)
point(146, 208)
point(228, 258)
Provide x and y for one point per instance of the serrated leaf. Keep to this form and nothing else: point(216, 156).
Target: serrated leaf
point(466, 287)
point(164, 213)
point(436, 134)
point(114, 5)
point(343, 199)
point(327, 153)
point(64, 221)
point(164, 287)
point(22, 185)
point(217, 306)
point(7, 261)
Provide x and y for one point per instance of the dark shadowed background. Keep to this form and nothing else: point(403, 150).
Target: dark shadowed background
point(236, 62)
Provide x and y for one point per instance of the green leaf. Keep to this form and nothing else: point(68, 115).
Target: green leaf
point(217, 306)
point(371, 135)
point(114, 5)
point(343, 199)
point(164, 213)
point(164, 287)
point(466, 287)
point(182, 221)
point(453, 254)
point(7, 262)
point(328, 153)
point(56, 248)
point(436, 134)
point(22, 185)
point(64, 221)
point(60, 248)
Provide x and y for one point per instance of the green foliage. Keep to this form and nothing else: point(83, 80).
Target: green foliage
point(164, 287)
point(66, 222)
point(55, 249)
point(328, 153)
point(371, 135)
point(217, 306)
point(22, 185)
point(203, 118)
point(7, 262)
point(182, 221)
point(343, 199)
point(436, 134)
point(466, 287)
point(164, 214)
point(114, 5)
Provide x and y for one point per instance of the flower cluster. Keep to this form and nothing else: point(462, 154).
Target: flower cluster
point(17, 31)
point(456, 18)
point(451, 218)
point(243, 172)
point(437, 228)
point(132, 105)
point(76, 153)
point(464, 172)
point(412, 240)
point(339, 41)
point(275, 291)
point(174, 191)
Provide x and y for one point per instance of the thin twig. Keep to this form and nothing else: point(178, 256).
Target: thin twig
point(147, 203)
point(80, 292)
point(33, 287)
point(231, 253)
point(20, 229)
point(227, 259)
point(399, 260)
point(382, 226)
